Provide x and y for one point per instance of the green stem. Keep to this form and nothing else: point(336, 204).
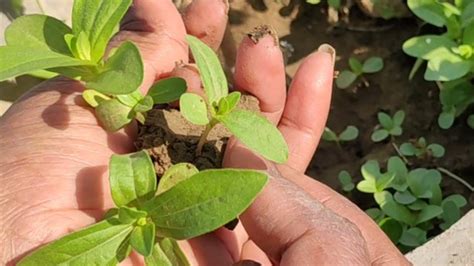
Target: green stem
point(457, 178)
point(204, 135)
point(400, 153)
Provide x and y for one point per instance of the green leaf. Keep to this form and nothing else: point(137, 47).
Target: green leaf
point(94, 98)
point(99, 19)
point(396, 166)
point(458, 199)
point(350, 133)
point(408, 149)
point(176, 174)
point(370, 170)
point(396, 131)
point(375, 213)
point(167, 252)
point(132, 178)
point(194, 108)
point(429, 47)
point(446, 118)
point(467, 16)
point(213, 198)
point(447, 67)
point(379, 135)
point(16, 61)
point(428, 213)
point(394, 209)
point(367, 186)
point(404, 197)
point(392, 229)
point(82, 47)
point(413, 237)
point(468, 35)
point(329, 135)
point(39, 32)
point(131, 99)
point(130, 215)
point(373, 65)
point(167, 90)
point(398, 118)
point(451, 213)
point(210, 69)
point(345, 79)
point(257, 133)
point(436, 150)
point(144, 105)
point(355, 65)
point(418, 205)
point(142, 239)
point(228, 103)
point(430, 11)
point(346, 181)
point(94, 245)
point(421, 181)
point(384, 181)
point(385, 120)
point(113, 115)
point(122, 72)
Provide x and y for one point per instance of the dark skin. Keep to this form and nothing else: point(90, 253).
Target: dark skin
point(55, 181)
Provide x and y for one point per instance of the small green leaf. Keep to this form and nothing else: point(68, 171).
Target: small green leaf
point(367, 186)
point(128, 215)
point(329, 135)
point(94, 98)
point(373, 65)
point(428, 213)
point(408, 149)
point(384, 181)
point(446, 118)
point(385, 120)
point(228, 103)
point(421, 182)
point(213, 198)
point(428, 10)
point(370, 170)
point(398, 118)
point(113, 115)
point(379, 135)
point(345, 79)
point(404, 197)
point(142, 239)
point(194, 108)
point(396, 166)
point(94, 245)
point(176, 174)
point(167, 252)
point(122, 72)
point(131, 99)
point(394, 209)
point(350, 133)
point(210, 69)
point(429, 47)
point(418, 205)
point(436, 150)
point(346, 181)
point(451, 213)
point(375, 213)
point(257, 133)
point(355, 65)
point(446, 67)
point(99, 19)
point(413, 237)
point(144, 105)
point(83, 47)
point(467, 16)
point(132, 178)
point(167, 90)
point(392, 228)
point(458, 199)
point(396, 131)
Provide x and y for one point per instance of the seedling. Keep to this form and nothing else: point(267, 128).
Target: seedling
point(346, 181)
point(449, 55)
point(421, 149)
point(370, 66)
point(36, 43)
point(218, 106)
point(409, 202)
point(388, 126)
point(149, 218)
point(336, 4)
point(348, 134)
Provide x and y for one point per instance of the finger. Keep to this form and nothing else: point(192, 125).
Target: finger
point(190, 74)
point(250, 251)
point(207, 20)
point(381, 249)
point(260, 71)
point(157, 29)
point(307, 106)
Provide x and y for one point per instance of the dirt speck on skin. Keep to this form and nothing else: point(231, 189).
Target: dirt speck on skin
point(169, 138)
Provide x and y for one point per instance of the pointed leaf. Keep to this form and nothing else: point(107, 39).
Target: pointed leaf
point(329, 135)
point(128, 215)
point(194, 108)
point(122, 73)
point(213, 198)
point(210, 69)
point(142, 239)
point(228, 103)
point(96, 244)
point(167, 252)
point(176, 174)
point(132, 178)
point(257, 133)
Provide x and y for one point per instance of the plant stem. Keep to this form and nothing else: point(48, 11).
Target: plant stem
point(203, 138)
point(455, 177)
point(400, 153)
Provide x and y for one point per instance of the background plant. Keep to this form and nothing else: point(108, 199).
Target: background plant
point(449, 55)
point(348, 134)
point(347, 77)
point(421, 149)
point(388, 126)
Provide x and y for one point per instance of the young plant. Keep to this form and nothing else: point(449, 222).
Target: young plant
point(348, 134)
point(449, 55)
point(218, 106)
point(421, 149)
point(410, 203)
point(36, 43)
point(388, 126)
point(370, 66)
point(345, 179)
point(149, 218)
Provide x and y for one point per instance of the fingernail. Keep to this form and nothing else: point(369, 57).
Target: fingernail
point(261, 31)
point(326, 48)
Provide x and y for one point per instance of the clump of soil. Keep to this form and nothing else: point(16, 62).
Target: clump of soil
point(169, 138)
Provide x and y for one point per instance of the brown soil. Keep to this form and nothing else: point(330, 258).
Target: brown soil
point(171, 139)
